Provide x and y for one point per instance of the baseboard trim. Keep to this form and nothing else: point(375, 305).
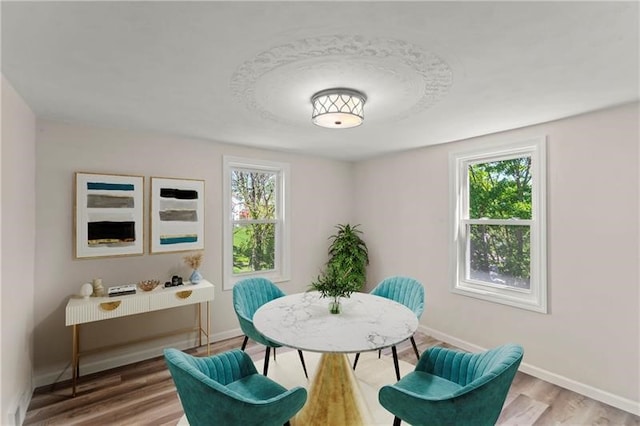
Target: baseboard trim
point(17, 411)
point(617, 401)
point(99, 363)
point(226, 335)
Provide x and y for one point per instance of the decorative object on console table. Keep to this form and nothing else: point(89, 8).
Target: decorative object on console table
point(121, 290)
point(194, 261)
point(175, 281)
point(98, 289)
point(148, 285)
point(86, 290)
point(177, 215)
point(108, 214)
point(195, 277)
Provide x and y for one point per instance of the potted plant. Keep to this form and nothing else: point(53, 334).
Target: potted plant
point(346, 268)
point(332, 284)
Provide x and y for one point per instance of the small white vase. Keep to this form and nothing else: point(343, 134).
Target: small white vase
point(86, 290)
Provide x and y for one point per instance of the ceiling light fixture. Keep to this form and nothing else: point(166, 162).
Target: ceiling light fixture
point(338, 108)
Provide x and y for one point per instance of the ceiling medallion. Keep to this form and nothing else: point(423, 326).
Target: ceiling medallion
point(276, 82)
point(338, 108)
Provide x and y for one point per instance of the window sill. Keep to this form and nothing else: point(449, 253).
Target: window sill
point(528, 301)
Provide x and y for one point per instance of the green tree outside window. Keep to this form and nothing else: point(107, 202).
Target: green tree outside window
point(255, 220)
point(499, 253)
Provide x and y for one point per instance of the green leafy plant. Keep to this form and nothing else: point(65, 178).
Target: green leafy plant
point(346, 268)
point(332, 284)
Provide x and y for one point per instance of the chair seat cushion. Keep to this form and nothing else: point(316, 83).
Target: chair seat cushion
point(256, 387)
point(428, 385)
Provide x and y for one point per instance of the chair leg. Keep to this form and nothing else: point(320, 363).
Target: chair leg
point(356, 361)
point(244, 342)
point(396, 421)
point(274, 354)
point(266, 361)
point(379, 353)
point(395, 361)
point(304, 367)
point(415, 347)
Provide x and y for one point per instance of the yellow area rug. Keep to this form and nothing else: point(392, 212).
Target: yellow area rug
point(370, 374)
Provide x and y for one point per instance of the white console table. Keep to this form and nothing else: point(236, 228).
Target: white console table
point(80, 311)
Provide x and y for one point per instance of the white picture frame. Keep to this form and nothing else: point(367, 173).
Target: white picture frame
point(177, 215)
point(108, 215)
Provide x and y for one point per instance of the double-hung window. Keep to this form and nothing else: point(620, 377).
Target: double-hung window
point(256, 229)
point(498, 246)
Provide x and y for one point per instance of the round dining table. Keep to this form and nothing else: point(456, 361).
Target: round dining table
point(365, 323)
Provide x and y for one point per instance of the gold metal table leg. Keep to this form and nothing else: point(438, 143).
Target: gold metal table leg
point(208, 329)
point(199, 324)
point(334, 397)
point(202, 330)
point(75, 358)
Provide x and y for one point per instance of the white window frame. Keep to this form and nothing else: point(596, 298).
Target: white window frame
point(535, 298)
point(281, 272)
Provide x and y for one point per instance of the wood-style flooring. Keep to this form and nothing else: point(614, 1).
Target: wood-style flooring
point(144, 394)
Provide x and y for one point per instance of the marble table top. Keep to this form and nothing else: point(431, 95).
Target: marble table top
point(366, 323)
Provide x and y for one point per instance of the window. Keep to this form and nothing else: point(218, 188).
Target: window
point(499, 237)
point(256, 231)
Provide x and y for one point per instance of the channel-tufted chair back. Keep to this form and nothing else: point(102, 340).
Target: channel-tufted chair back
point(248, 296)
point(451, 387)
point(464, 368)
point(405, 290)
point(226, 389)
point(408, 292)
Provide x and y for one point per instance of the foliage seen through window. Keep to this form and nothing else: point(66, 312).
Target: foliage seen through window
point(254, 220)
point(499, 253)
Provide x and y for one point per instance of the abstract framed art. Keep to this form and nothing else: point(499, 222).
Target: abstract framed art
point(108, 215)
point(177, 215)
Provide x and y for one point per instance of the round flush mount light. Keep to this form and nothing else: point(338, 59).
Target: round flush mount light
point(338, 108)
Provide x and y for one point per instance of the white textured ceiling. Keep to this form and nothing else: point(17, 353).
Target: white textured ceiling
point(244, 72)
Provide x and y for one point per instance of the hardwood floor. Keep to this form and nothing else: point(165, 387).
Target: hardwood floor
point(144, 394)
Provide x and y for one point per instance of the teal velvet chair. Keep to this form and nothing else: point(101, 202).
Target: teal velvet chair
point(248, 296)
point(408, 292)
point(226, 389)
point(450, 387)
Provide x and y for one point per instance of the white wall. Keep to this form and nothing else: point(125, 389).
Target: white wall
point(590, 340)
point(321, 196)
point(18, 173)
